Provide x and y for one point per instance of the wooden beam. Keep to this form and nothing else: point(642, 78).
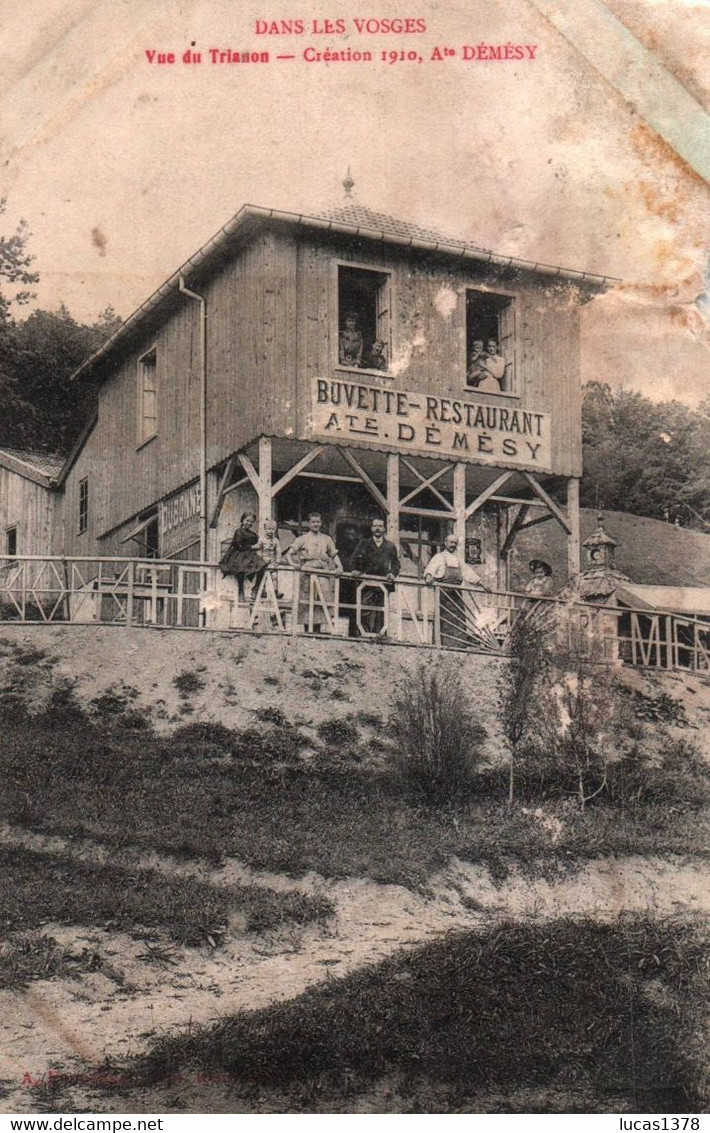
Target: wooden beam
point(296, 470)
point(460, 505)
point(226, 476)
point(331, 476)
point(538, 519)
point(409, 510)
point(265, 490)
point(549, 502)
point(426, 483)
point(574, 539)
point(236, 484)
point(393, 496)
point(525, 502)
point(250, 471)
point(516, 526)
point(488, 492)
point(369, 484)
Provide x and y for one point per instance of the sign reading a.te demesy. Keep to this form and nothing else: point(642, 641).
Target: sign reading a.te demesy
point(468, 430)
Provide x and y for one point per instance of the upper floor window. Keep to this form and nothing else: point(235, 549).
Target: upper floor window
point(363, 319)
point(490, 342)
point(10, 540)
point(83, 504)
point(147, 397)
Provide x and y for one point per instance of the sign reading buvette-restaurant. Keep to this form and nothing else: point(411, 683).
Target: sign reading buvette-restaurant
point(345, 411)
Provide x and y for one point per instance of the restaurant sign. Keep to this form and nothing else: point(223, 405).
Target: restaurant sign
point(344, 411)
point(180, 519)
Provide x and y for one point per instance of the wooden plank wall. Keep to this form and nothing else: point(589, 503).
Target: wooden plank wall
point(31, 509)
point(428, 345)
point(272, 329)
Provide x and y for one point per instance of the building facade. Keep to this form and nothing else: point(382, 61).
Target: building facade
point(348, 363)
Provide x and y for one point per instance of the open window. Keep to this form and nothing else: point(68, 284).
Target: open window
point(490, 342)
point(10, 540)
point(83, 504)
point(147, 397)
point(364, 339)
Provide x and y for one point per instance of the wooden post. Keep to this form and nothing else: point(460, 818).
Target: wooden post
point(129, 595)
point(460, 506)
point(574, 538)
point(264, 489)
point(393, 497)
point(503, 572)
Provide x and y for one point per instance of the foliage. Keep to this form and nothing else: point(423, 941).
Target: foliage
point(41, 408)
point(644, 457)
point(36, 888)
point(436, 730)
point(617, 1009)
point(31, 956)
point(188, 682)
point(340, 731)
point(523, 688)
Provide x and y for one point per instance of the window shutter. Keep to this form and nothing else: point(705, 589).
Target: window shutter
point(383, 316)
point(508, 346)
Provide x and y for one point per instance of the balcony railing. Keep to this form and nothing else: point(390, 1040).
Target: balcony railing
point(191, 595)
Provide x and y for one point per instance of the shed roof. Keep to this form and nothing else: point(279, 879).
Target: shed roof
point(692, 600)
point(40, 467)
point(353, 220)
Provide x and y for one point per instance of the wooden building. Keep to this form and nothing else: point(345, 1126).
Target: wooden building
point(30, 507)
point(347, 362)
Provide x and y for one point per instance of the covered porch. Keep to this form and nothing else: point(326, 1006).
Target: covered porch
point(420, 498)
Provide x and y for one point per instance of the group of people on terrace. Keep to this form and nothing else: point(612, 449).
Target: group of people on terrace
point(375, 559)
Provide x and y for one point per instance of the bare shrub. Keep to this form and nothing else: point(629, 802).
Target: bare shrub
point(436, 730)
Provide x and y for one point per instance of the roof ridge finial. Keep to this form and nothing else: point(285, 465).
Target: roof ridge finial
point(348, 185)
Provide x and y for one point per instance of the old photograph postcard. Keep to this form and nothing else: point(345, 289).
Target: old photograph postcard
point(354, 558)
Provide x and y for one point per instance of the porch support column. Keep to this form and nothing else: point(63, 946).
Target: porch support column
point(460, 505)
point(264, 488)
point(574, 538)
point(502, 528)
point(393, 497)
point(213, 503)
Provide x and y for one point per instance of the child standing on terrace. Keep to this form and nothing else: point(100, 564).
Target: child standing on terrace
point(270, 549)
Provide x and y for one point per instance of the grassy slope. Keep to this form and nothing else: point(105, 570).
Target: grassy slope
point(210, 792)
point(615, 1009)
point(36, 888)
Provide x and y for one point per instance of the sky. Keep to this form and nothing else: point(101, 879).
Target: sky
point(124, 168)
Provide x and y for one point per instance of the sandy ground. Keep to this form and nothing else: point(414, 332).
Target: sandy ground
point(309, 680)
point(73, 1025)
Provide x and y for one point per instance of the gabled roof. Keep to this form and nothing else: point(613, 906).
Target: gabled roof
point(40, 467)
point(364, 218)
point(350, 220)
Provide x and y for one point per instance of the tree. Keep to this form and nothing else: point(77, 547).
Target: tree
point(644, 457)
point(49, 346)
point(523, 688)
point(15, 267)
point(41, 408)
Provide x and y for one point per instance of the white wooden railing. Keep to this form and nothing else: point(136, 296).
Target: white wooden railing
point(191, 595)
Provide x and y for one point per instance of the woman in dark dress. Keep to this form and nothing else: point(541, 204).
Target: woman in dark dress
point(241, 560)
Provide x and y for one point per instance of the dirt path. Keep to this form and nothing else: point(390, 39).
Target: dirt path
point(73, 1025)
